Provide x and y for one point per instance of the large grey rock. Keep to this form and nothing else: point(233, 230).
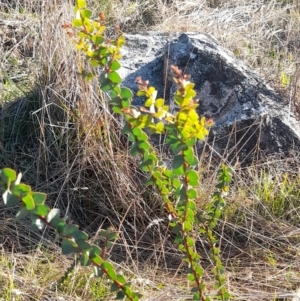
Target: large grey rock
point(250, 118)
point(143, 55)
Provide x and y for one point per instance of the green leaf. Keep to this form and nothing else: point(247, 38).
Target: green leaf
point(226, 296)
point(176, 183)
point(181, 247)
point(81, 3)
point(114, 77)
point(143, 145)
point(84, 35)
point(150, 182)
point(190, 93)
point(68, 246)
point(103, 51)
point(28, 201)
point(8, 175)
point(126, 93)
point(217, 213)
point(121, 279)
point(139, 134)
point(191, 277)
point(191, 142)
point(88, 25)
point(115, 99)
point(109, 234)
point(192, 193)
point(191, 205)
point(115, 65)
point(148, 103)
point(69, 230)
point(80, 235)
point(189, 157)
point(94, 251)
point(109, 245)
point(41, 210)
point(21, 190)
point(54, 213)
point(173, 143)
point(39, 197)
point(83, 245)
point(190, 242)
point(178, 147)
point(22, 212)
point(77, 23)
point(140, 93)
point(110, 270)
point(114, 287)
point(125, 103)
point(84, 260)
point(157, 174)
point(134, 149)
point(98, 40)
point(106, 85)
point(160, 127)
point(98, 272)
point(127, 130)
point(190, 215)
point(58, 223)
point(176, 229)
point(159, 102)
point(187, 226)
point(178, 161)
point(147, 165)
point(199, 270)
point(131, 137)
point(120, 295)
point(117, 110)
point(10, 199)
point(37, 222)
point(103, 61)
point(192, 177)
point(228, 170)
point(195, 289)
point(128, 292)
point(197, 296)
point(86, 13)
point(94, 63)
point(177, 165)
point(143, 137)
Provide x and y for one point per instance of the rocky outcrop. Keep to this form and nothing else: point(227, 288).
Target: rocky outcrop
point(250, 118)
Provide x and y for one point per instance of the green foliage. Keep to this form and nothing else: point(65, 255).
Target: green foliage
point(73, 240)
point(177, 185)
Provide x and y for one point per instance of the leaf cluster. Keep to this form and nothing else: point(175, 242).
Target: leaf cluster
point(73, 240)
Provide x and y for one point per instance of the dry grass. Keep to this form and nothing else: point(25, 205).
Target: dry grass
point(59, 132)
point(263, 33)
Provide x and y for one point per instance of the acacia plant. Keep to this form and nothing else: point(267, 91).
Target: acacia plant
point(177, 184)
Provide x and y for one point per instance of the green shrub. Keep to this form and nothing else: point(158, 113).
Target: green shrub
point(177, 185)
